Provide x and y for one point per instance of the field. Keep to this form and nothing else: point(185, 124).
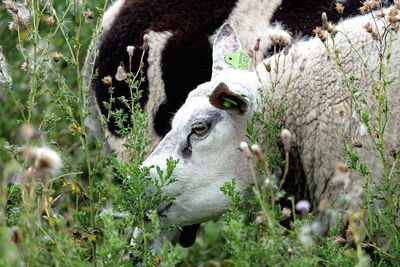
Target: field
point(64, 201)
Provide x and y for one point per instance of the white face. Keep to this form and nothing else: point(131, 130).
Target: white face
point(205, 137)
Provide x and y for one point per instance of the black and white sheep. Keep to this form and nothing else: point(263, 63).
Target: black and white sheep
point(179, 57)
point(321, 112)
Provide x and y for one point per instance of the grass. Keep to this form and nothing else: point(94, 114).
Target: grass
point(73, 217)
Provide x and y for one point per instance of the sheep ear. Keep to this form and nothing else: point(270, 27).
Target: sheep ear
point(226, 42)
point(224, 98)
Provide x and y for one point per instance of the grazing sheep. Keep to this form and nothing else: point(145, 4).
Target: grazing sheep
point(179, 55)
point(205, 133)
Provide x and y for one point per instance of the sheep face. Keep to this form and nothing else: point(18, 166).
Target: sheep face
point(205, 137)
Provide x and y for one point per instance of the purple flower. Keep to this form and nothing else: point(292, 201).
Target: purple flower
point(303, 206)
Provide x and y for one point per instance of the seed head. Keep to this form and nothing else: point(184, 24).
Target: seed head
point(320, 33)
point(28, 132)
point(89, 14)
point(339, 7)
point(356, 143)
point(286, 212)
point(285, 135)
point(107, 80)
point(370, 5)
point(245, 149)
point(121, 73)
point(257, 151)
point(145, 45)
point(368, 27)
point(43, 161)
point(280, 39)
point(267, 66)
point(25, 66)
point(260, 218)
point(50, 21)
point(55, 56)
point(392, 16)
point(130, 49)
point(257, 44)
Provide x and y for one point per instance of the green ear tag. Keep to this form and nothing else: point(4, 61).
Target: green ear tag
point(239, 60)
point(229, 102)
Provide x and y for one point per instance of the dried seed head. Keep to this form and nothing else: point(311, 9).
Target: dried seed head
point(50, 21)
point(260, 218)
point(392, 16)
point(257, 151)
point(286, 135)
point(342, 167)
point(267, 66)
point(55, 56)
point(130, 49)
point(320, 33)
point(286, 212)
point(121, 73)
point(11, 7)
point(107, 80)
point(89, 14)
point(368, 27)
point(370, 5)
point(356, 144)
point(145, 45)
point(279, 39)
point(12, 25)
point(28, 132)
point(342, 112)
point(397, 3)
point(44, 162)
point(339, 7)
point(325, 21)
point(25, 66)
point(245, 149)
point(257, 44)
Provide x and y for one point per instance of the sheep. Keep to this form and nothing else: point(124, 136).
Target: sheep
point(205, 133)
point(175, 63)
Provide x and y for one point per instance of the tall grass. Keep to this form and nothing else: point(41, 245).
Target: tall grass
point(78, 215)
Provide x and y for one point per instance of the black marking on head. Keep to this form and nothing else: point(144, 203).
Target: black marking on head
point(186, 59)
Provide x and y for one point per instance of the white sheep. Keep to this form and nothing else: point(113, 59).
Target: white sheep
point(205, 133)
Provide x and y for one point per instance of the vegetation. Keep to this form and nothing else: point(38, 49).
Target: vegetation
point(64, 202)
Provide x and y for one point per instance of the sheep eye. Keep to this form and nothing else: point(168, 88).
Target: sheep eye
point(200, 130)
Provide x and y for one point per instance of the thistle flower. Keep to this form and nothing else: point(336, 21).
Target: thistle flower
point(245, 149)
point(107, 80)
point(356, 144)
point(25, 66)
point(303, 206)
point(121, 73)
point(285, 135)
point(368, 27)
point(339, 7)
point(392, 16)
point(43, 161)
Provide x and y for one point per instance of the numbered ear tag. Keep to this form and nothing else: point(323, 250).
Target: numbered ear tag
point(239, 60)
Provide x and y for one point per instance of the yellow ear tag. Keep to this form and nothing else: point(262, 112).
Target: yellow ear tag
point(239, 60)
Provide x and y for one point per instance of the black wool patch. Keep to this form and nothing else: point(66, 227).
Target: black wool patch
point(186, 59)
